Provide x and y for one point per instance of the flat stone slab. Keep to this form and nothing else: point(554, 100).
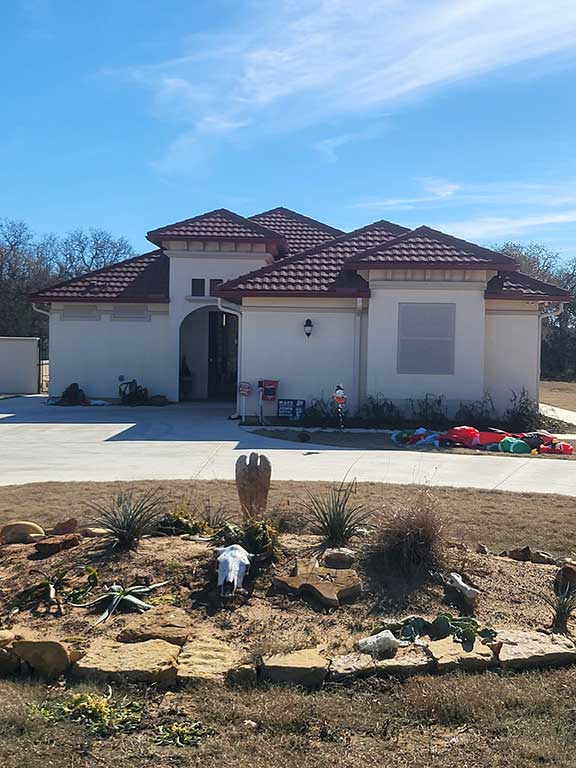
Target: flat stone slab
point(523, 649)
point(47, 658)
point(330, 585)
point(20, 532)
point(447, 655)
point(152, 661)
point(164, 622)
point(206, 658)
point(350, 665)
point(307, 668)
point(412, 660)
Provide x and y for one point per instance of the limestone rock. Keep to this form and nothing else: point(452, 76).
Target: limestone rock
point(152, 661)
point(412, 660)
point(48, 658)
point(253, 484)
point(9, 662)
point(565, 579)
point(542, 558)
point(206, 658)
point(448, 655)
point(54, 544)
point(482, 549)
point(307, 668)
point(18, 533)
point(64, 527)
point(523, 554)
point(163, 622)
point(6, 637)
point(90, 532)
point(523, 649)
point(342, 557)
point(378, 646)
point(245, 675)
point(351, 665)
point(330, 585)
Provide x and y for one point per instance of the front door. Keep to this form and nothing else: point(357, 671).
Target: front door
point(222, 356)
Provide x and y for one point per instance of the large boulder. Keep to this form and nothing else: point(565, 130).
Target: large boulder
point(161, 623)
point(524, 554)
point(447, 655)
point(19, 533)
point(307, 668)
point(153, 661)
point(330, 586)
point(9, 662)
point(54, 544)
point(522, 649)
point(339, 557)
point(6, 637)
point(64, 526)
point(47, 658)
point(206, 658)
point(542, 558)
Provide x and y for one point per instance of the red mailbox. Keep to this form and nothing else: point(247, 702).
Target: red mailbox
point(268, 389)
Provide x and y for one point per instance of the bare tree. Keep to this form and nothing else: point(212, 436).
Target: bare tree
point(83, 251)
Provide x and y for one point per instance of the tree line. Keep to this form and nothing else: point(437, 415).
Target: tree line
point(29, 263)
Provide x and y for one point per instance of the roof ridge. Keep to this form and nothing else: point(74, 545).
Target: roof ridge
point(101, 270)
point(439, 236)
point(227, 214)
point(300, 216)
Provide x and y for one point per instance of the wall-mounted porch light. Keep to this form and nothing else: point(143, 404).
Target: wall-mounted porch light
point(308, 325)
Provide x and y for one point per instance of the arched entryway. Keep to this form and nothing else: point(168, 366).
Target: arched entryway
point(209, 355)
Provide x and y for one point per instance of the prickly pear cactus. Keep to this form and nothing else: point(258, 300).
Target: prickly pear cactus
point(253, 484)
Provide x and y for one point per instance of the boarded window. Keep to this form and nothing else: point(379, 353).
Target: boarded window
point(80, 312)
point(426, 338)
point(198, 286)
point(213, 285)
point(133, 312)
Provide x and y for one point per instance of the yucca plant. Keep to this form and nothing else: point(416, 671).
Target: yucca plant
point(129, 517)
point(118, 597)
point(333, 516)
point(562, 607)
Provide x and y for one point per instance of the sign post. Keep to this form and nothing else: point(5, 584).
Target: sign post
point(244, 388)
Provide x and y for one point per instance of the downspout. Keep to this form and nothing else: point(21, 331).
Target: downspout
point(357, 350)
point(36, 308)
point(234, 310)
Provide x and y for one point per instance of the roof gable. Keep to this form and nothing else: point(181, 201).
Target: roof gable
point(138, 279)
point(517, 285)
point(300, 232)
point(315, 270)
point(430, 249)
point(220, 224)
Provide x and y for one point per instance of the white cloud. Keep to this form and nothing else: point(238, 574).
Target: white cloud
point(294, 63)
point(502, 226)
point(328, 147)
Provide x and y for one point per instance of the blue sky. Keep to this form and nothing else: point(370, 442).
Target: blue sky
point(129, 115)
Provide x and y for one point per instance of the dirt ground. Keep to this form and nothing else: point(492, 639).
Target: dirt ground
point(561, 394)
point(499, 719)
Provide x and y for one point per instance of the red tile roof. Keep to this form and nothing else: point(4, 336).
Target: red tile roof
point(300, 232)
point(517, 285)
point(139, 279)
point(315, 271)
point(431, 249)
point(216, 225)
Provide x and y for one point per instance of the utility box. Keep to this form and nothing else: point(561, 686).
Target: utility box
point(19, 365)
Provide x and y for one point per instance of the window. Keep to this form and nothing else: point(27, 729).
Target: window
point(426, 338)
point(213, 285)
point(198, 286)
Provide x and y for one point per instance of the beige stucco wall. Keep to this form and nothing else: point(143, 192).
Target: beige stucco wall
point(18, 365)
point(95, 352)
point(512, 350)
point(382, 378)
point(274, 346)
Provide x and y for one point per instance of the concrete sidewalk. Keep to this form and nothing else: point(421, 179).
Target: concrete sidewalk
point(40, 443)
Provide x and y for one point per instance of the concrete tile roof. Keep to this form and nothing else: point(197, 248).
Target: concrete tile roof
point(300, 232)
point(220, 224)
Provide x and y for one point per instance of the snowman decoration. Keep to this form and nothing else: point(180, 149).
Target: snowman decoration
point(339, 398)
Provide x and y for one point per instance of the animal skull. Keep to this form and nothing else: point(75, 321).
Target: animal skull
point(233, 565)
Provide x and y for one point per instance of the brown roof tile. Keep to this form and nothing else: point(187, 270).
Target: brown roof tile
point(315, 271)
point(220, 224)
point(517, 285)
point(430, 249)
point(300, 232)
point(141, 278)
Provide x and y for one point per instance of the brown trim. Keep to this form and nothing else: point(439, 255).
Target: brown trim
point(97, 300)
point(478, 266)
point(341, 294)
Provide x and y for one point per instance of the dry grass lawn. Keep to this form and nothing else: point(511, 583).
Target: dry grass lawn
point(492, 719)
point(561, 394)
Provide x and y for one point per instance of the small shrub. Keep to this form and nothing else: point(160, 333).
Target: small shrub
point(430, 411)
point(100, 714)
point(185, 734)
point(477, 413)
point(128, 517)
point(321, 413)
point(562, 606)
point(333, 516)
point(412, 539)
point(523, 414)
point(379, 413)
point(258, 537)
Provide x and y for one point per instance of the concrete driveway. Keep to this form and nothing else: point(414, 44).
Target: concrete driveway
point(40, 443)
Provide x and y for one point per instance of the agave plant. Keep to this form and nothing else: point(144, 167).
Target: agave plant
point(128, 517)
point(562, 607)
point(118, 597)
point(334, 517)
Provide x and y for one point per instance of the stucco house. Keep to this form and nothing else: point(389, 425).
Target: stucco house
point(224, 299)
